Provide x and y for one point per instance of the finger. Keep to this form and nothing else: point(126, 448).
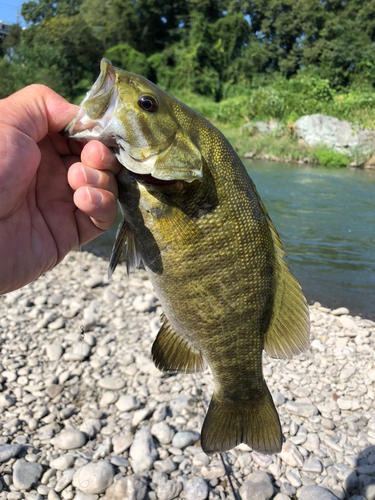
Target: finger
point(80, 175)
point(37, 110)
point(98, 156)
point(99, 205)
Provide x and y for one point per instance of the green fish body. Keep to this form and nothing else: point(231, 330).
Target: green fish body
point(194, 217)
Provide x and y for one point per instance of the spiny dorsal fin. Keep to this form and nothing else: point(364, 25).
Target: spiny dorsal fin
point(172, 353)
point(289, 329)
point(124, 238)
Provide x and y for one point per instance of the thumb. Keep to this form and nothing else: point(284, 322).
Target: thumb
point(37, 110)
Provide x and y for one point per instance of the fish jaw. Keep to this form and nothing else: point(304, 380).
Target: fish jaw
point(110, 113)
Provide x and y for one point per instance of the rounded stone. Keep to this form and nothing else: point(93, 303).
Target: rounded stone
point(315, 493)
point(182, 439)
point(8, 451)
point(25, 474)
point(69, 439)
point(94, 478)
point(62, 463)
point(127, 403)
point(114, 383)
point(196, 489)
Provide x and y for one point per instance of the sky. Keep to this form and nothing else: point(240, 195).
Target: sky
point(8, 11)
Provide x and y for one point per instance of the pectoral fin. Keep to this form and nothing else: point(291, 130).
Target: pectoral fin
point(172, 353)
point(124, 239)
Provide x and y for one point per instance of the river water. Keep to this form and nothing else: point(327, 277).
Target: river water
point(326, 218)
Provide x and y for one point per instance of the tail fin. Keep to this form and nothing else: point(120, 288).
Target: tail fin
point(228, 424)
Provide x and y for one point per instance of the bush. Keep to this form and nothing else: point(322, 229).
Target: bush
point(330, 158)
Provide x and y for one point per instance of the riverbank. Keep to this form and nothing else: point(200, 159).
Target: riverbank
point(88, 418)
point(285, 147)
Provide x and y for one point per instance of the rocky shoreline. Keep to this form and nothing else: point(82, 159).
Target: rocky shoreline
point(89, 416)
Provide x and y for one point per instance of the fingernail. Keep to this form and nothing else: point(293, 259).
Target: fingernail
point(91, 175)
point(107, 156)
point(95, 196)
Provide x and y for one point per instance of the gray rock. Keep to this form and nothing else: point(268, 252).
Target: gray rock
point(114, 383)
point(278, 398)
point(90, 426)
point(196, 489)
point(290, 455)
point(313, 464)
point(347, 476)
point(93, 281)
point(262, 460)
point(119, 461)
point(25, 474)
point(62, 463)
point(316, 493)
point(140, 415)
point(54, 390)
point(65, 480)
point(369, 492)
point(127, 488)
point(122, 443)
point(335, 134)
point(69, 439)
point(160, 413)
point(182, 439)
point(6, 401)
point(143, 452)
point(182, 402)
point(163, 432)
point(301, 409)
point(258, 486)
point(8, 451)
point(340, 311)
point(168, 490)
point(94, 478)
point(166, 466)
point(108, 398)
point(127, 403)
point(54, 351)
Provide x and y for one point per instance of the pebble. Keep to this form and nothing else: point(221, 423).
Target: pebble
point(113, 383)
point(8, 451)
point(168, 490)
point(62, 463)
point(132, 487)
point(182, 439)
point(54, 351)
point(57, 384)
point(25, 474)
point(258, 486)
point(196, 489)
point(69, 439)
point(143, 451)
point(94, 477)
point(315, 493)
point(163, 432)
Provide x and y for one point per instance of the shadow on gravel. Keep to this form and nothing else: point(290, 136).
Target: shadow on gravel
point(361, 482)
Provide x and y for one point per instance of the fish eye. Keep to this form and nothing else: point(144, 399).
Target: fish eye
point(148, 103)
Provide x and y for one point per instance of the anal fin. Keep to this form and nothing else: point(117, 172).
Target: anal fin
point(172, 353)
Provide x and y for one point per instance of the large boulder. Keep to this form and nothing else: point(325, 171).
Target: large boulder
point(339, 135)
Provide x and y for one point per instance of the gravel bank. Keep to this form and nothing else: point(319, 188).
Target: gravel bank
point(89, 418)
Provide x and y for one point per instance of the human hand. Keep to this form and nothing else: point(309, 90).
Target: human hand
point(54, 194)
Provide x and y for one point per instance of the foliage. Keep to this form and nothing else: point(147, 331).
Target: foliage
point(330, 158)
point(243, 60)
point(125, 57)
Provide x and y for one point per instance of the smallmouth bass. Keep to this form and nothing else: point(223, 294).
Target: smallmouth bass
point(193, 216)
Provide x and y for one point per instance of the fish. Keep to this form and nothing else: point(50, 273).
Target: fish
point(193, 217)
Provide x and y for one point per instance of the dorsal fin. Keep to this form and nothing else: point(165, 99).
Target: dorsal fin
point(172, 353)
point(124, 238)
point(289, 329)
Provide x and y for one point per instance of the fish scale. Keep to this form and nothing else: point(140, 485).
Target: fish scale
point(193, 216)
